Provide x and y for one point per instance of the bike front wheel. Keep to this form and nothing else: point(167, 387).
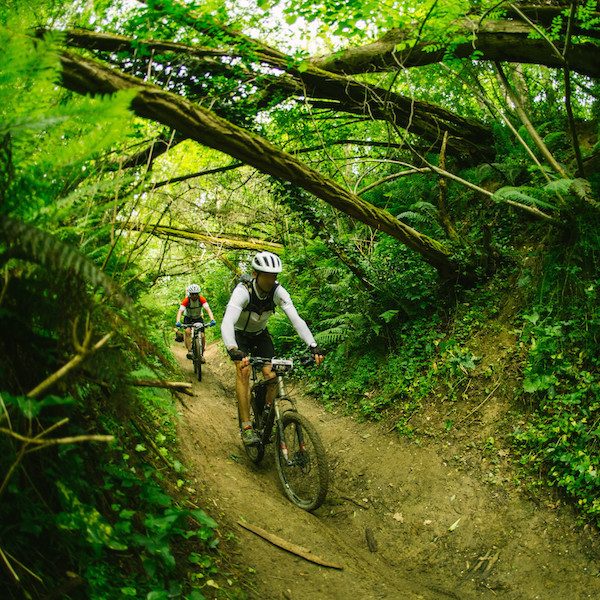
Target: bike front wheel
point(301, 461)
point(197, 352)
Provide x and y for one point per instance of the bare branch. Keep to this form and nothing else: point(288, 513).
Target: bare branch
point(539, 142)
point(42, 441)
point(74, 362)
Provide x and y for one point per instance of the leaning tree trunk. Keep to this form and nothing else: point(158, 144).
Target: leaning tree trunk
point(221, 241)
point(88, 76)
point(468, 138)
point(506, 41)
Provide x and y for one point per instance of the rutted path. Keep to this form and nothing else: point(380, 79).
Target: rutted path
point(409, 497)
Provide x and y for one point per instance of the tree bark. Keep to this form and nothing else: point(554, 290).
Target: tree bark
point(505, 41)
point(87, 76)
point(223, 241)
point(468, 138)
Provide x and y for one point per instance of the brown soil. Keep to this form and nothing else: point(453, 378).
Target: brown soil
point(446, 516)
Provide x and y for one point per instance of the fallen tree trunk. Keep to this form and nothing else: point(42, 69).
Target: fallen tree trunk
point(222, 241)
point(469, 138)
point(506, 41)
point(88, 76)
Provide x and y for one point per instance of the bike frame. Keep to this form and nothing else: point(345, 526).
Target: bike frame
point(300, 456)
point(197, 330)
point(280, 367)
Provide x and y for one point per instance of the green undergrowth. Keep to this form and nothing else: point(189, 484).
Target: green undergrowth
point(82, 516)
point(561, 387)
point(108, 520)
point(551, 312)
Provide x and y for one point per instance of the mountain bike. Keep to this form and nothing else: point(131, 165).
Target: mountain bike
point(299, 455)
point(197, 351)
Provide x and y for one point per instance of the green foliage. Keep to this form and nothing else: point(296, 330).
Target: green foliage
point(561, 436)
point(109, 513)
point(397, 335)
point(522, 194)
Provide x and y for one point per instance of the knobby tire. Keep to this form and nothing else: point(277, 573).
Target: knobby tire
point(197, 352)
point(306, 479)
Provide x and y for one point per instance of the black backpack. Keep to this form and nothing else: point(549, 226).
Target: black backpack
point(257, 305)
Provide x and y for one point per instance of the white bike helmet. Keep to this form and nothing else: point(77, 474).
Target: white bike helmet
point(194, 288)
point(267, 262)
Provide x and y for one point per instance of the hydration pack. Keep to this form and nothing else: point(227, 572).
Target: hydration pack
point(257, 305)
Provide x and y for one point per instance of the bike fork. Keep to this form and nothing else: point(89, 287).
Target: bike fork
point(283, 445)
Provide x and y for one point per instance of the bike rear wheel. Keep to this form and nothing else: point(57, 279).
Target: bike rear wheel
point(197, 353)
point(304, 472)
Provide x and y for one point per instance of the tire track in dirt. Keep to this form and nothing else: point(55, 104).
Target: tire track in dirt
point(407, 496)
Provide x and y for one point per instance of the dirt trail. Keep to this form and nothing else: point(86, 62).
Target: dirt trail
point(501, 545)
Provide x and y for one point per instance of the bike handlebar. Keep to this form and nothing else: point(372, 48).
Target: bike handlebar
point(260, 360)
point(197, 324)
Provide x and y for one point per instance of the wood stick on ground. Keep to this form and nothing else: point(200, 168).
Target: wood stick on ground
point(482, 559)
point(292, 548)
point(479, 405)
point(359, 504)
point(180, 386)
point(491, 562)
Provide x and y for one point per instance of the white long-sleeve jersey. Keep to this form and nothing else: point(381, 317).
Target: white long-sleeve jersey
point(238, 318)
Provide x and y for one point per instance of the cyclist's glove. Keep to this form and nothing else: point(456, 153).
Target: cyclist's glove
point(178, 324)
point(314, 350)
point(212, 323)
point(236, 354)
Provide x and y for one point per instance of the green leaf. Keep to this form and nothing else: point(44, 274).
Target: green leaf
point(522, 195)
point(536, 383)
point(388, 315)
point(31, 407)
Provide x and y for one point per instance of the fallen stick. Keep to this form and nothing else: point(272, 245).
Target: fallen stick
point(304, 553)
point(359, 504)
point(479, 405)
point(83, 353)
point(174, 385)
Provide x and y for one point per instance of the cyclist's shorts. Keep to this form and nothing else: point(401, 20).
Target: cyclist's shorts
point(190, 320)
point(258, 344)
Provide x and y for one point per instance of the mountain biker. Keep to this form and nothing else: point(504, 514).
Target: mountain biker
point(191, 307)
point(244, 331)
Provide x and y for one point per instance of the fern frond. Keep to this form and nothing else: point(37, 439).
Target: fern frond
point(425, 207)
point(560, 186)
point(33, 244)
point(332, 273)
point(343, 319)
point(523, 195)
point(333, 335)
point(422, 212)
point(578, 187)
point(409, 214)
point(582, 188)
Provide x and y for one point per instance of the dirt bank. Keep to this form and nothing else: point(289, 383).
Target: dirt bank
point(442, 527)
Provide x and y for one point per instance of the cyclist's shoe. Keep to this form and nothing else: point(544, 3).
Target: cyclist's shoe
point(202, 360)
point(249, 437)
point(189, 355)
